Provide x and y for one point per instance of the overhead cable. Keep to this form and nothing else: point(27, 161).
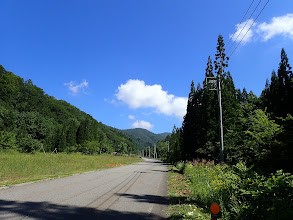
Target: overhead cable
point(244, 26)
point(250, 27)
point(239, 23)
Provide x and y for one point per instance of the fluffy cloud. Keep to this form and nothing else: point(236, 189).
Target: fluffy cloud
point(76, 88)
point(138, 95)
point(241, 32)
point(142, 124)
point(282, 25)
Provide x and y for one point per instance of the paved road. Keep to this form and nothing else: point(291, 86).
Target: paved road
point(137, 191)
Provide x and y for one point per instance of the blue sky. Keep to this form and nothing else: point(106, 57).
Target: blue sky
point(130, 63)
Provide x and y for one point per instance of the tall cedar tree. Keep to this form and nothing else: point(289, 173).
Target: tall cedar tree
point(200, 125)
point(188, 124)
point(191, 124)
point(277, 95)
point(229, 98)
point(209, 116)
point(277, 98)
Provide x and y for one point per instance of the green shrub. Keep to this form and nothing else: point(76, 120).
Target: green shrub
point(241, 192)
point(180, 166)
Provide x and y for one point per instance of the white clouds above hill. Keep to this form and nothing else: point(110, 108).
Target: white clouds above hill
point(142, 124)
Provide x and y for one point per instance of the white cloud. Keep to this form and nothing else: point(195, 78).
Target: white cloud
point(112, 101)
point(282, 25)
point(131, 117)
point(241, 32)
point(138, 95)
point(76, 88)
point(142, 124)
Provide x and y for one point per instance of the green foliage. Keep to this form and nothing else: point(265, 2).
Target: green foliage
point(90, 147)
point(252, 132)
point(27, 144)
point(175, 142)
point(181, 203)
point(162, 149)
point(277, 95)
point(241, 192)
point(143, 138)
point(258, 133)
point(180, 166)
point(255, 142)
point(29, 119)
point(7, 140)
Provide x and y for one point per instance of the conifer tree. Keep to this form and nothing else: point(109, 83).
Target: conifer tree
point(188, 124)
point(277, 95)
point(285, 87)
point(209, 115)
point(221, 60)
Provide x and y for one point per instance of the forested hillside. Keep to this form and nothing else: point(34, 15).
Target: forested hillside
point(29, 119)
point(144, 138)
point(257, 130)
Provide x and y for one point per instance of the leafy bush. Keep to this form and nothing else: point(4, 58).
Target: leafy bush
point(90, 147)
point(28, 144)
point(241, 192)
point(180, 166)
point(7, 140)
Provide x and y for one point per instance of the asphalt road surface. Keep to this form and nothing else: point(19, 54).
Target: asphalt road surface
point(137, 191)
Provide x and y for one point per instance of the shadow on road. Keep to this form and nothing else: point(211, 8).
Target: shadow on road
point(162, 171)
point(174, 200)
point(147, 198)
point(46, 211)
point(152, 161)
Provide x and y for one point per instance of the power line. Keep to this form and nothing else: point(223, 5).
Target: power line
point(250, 27)
point(239, 23)
point(244, 26)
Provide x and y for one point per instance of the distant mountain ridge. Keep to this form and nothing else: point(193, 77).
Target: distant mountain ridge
point(143, 138)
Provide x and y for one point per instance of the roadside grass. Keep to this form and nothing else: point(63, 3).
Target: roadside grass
point(240, 191)
point(18, 167)
point(182, 205)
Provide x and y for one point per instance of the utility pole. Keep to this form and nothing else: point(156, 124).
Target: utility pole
point(212, 82)
point(155, 151)
point(149, 152)
point(220, 113)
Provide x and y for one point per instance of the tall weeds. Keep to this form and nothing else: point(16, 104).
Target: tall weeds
point(241, 192)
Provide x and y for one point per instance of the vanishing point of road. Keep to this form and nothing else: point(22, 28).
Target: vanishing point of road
point(137, 191)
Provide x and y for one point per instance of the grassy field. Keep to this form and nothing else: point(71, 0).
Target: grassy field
point(19, 167)
point(182, 205)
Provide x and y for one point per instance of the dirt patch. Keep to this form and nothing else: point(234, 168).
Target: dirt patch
point(115, 165)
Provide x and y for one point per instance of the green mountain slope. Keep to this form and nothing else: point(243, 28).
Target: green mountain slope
point(144, 138)
point(29, 119)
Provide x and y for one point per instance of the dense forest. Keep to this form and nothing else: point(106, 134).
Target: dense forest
point(143, 138)
point(31, 120)
point(257, 130)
